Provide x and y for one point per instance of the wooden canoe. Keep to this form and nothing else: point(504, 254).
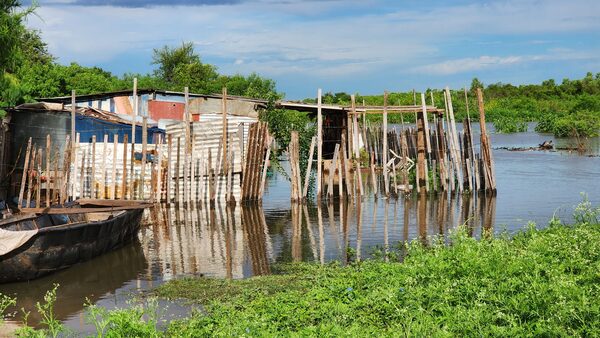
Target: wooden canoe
point(63, 240)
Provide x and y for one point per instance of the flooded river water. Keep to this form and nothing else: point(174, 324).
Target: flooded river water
point(244, 241)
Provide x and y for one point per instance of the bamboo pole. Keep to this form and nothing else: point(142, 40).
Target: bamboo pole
point(82, 176)
point(186, 150)
point(124, 184)
point(133, 130)
point(293, 151)
point(48, 146)
point(144, 154)
point(355, 133)
point(66, 169)
point(385, 145)
point(73, 113)
point(38, 179)
point(113, 178)
point(319, 146)
point(24, 175)
point(102, 184)
point(265, 167)
point(169, 161)
point(75, 163)
point(177, 164)
point(332, 169)
point(159, 169)
point(224, 136)
point(93, 178)
point(309, 167)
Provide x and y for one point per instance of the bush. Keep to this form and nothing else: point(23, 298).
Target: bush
point(506, 126)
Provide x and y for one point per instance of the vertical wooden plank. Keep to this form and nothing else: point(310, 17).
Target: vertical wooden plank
point(454, 136)
point(75, 164)
point(332, 169)
point(187, 144)
point(66, 169)
point(30, 182)
point(265, 166)
point(355, 133)
point(169, 161)
point(24, 176)
point(113, 178)
point(124, 183)
point(159, 169)
point(224, 135)
point(73, 113)
point(177, 164)
point(425, 119)
point(38, 179)
point(144, 154)
point(102, 184)
point(82, 176)
point(319, 145)
point(56, 183)
point(308, 167)
point(385, 145)
point(48, 149)
point(293, 152)
point(93, 162)
point(133, 129)
point(421, 168)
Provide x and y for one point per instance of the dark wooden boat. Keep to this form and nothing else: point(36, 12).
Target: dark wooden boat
point(67, 236)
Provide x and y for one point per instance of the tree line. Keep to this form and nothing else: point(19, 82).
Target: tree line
point(29, 71)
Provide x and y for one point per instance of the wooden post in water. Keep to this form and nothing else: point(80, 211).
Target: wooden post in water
point(103, 168)
point(124, 174)
point(73, 113)
point(38, 179)
point(133, 129)
point(113, 178)
point(93, 162)
point(169, 172)
point(48, 146)
point(265, 166)
point(332, 169)
point(75, 164)
point(309, 167)
point(66, 169)
point(177, 175)
point(486, 152)
point(385, 145)
point(319, 146)
point(421, 168)
point(144, 153)
point(159, 174)
point(25, 175)
point(355, 132)
point(295, 175)
point(187, 148)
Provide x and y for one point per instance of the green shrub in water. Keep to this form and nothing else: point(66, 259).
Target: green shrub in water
point(507, 126)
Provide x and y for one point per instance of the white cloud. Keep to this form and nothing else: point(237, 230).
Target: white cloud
point(299, 38)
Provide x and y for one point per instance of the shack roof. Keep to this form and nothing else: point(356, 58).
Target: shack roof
point(328, 108)
point(39, 107)
point(129, 92)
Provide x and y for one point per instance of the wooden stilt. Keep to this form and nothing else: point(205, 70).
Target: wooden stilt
point(309, 167)
point(113, 178)
point(25, 174)
point(319, 146)
point(124, 184)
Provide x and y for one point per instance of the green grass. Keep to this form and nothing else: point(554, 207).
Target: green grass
point(540, 282)
point(536, 283)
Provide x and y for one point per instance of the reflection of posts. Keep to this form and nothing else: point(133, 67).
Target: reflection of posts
point(296, 233)
point(422, 216)
point(255, 228)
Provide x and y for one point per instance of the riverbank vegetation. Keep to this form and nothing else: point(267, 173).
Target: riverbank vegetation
point(571, 108)
point(537, 282)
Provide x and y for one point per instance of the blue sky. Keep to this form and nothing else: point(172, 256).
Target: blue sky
point(363, 46)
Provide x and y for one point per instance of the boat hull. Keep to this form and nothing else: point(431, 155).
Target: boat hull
point(57, 249)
